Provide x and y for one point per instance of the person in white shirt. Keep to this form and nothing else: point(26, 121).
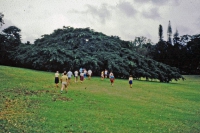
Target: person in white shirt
point(69, 75)
point(76, 76)
point(89, 74)
point(106, 73)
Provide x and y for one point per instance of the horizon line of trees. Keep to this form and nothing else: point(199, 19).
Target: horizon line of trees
point(71, 48)
point(182, 52)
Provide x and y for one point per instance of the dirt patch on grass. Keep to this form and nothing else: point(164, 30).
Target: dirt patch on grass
point(24, 91)
point(63, 99)
point(59, 97)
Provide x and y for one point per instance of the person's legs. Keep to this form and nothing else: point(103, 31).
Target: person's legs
point(131, 83)
point(66, 87)
point(89, 77)
point(61, 90)
point(69, 80)
point(56, 81)
point(112, 83)
point(82, 77)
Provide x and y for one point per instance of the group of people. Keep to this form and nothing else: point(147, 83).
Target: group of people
point(83, 74)
point(66, 76)
point(106, 74)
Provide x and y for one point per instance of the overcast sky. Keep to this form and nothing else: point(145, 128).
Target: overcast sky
point(124, 18)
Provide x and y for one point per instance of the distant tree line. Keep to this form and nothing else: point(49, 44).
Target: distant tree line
point(182, 52)
point(71, 48)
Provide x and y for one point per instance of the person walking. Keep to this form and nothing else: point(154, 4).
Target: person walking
point(64, 81)
point(80, 70)
point(69, 75)
point(111, 73)
point(130, 80)
point(76, 76)
point(82, 76)
point(57, 76)
point(85, 73)
point(112, 78)
point(106, 73)
point(102, 75)
point(89, 74)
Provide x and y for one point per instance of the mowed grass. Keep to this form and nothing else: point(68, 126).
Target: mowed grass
point(30, 102)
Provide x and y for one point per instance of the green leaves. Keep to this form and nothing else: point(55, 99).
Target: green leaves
point(70, 49)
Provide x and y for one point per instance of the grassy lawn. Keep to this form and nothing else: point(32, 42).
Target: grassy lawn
point(30, 102)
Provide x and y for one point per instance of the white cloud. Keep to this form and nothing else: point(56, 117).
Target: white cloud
point(159, 2)
point(152, 14)
point(127, 9)
point(101, 13)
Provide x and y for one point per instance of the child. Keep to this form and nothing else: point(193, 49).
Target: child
point(130, 81)
point(112, 78)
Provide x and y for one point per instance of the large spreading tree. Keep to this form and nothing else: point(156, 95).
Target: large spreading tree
point(71, 48)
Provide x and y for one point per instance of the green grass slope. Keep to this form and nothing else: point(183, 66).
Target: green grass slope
point(30, 102)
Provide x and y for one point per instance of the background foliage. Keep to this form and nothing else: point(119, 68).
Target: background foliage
point(70, 49)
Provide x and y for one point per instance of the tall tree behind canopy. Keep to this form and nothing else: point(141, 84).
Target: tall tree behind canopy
point(183, 54)
point(176, 38)
point(169, 33)
point(143, 46)
point(160, 32)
